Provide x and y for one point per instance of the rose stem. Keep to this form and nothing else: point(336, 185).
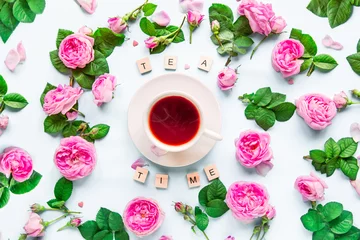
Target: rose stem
point(311, 70)
point(253, 51)
point(71, 81)
point(66, 211)
point(55, 220)
point(83, 115)
point(228, 61)
point(177, 31)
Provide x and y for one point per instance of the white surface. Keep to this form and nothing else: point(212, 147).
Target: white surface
point(111, 183)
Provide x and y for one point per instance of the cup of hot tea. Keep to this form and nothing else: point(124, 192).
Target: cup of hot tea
point(174, 122)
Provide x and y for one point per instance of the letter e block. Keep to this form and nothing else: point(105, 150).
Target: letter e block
point(170, 62)
point(141, 174)
point(205, 63)
point(161, 181)
point(211, 172)
point(144, 65)
point(193, 179)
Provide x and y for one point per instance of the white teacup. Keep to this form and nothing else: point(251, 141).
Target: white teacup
point(201, 131)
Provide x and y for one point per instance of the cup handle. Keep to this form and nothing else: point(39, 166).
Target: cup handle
point(213, 135)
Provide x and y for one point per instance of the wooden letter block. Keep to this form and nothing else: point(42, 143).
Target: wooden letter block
point(170, 62)
point(161, 181)
point(193, 179)
point(205, 63)
point(141, 174)
point(144, 65)
point(211, 172)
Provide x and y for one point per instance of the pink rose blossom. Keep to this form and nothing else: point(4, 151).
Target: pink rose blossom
point(75, 222)
point(34, 227)
point(103, 89)
point(17, 162)
point(227, 78)
point(311, 187)
point(139, 163)
point(285, 57)
point(143, 216)
point(356, 185)
point(75, 158)
point(161, 18)
point(317, 110)
point(165, 238)
point(194, 18)
point(85, 30)
point(4, 121)
point(61, 99)
point(341, 100)
point(193, 5)
point(88, 5)
point(271, 212)
point(71, 116)
point(277, 24)
point(151, 42)
point(247, 200)
point(76, 50)
point(253, 150)
point(117, 24)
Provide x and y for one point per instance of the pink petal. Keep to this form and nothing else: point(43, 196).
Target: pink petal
point(21, 51)
point(161, 18)
point(187, 66)
point(336, 46)
point(193, 5)
point(356, 185)
point(12, 60)
point(139, 163)
point(157, 151)
point(88, 5)
point(263, 168)
point(291, 81)
point(81, 204)
point(355, 131)
point(327, 41)
point(72, 115)
point(135, 43)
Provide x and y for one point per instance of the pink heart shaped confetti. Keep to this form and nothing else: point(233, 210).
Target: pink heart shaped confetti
point(187, 66)
point(81, 204)
point(135, 43)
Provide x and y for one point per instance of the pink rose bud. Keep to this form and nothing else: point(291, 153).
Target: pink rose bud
point(271, 212)
point(34, 227)
point(227, 78)
point(230, 238)
point(76, 50)
point(194, 18)
point(277, 24)
point(165, 238)
point(179, 207)
point(103, 89)
point(17, 162)
point(152, 42)
point(37, 208)
point(117, 24)
point(4, 121)
point(85, 30)
point(311, 187)
point(75, 222)
point(215, 27)
point(341, 100)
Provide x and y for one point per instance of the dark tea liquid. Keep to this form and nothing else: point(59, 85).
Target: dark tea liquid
point(174, 120)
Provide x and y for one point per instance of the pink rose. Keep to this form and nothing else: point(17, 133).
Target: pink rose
point(277, 24)
point(193, 5)
point(271, 212)
point(165, 238)
point(253, 150)
point(317, 110)
point(76, 50)
point(117, 24)
point(103, 89)
point(341, 100)
point(285, 57)
point(17, 162)
point(143, 216)
point(247, 200)
point(75, 158)
point(311, 187)
point(85, 30)
point(75, 222)
point(356, 185)
point(88, 5)
point(4, 121)
point(227, 78)
point(215, 26)
point(61, 99)
point(151, 42)
point(194, 18)
point(34, 226)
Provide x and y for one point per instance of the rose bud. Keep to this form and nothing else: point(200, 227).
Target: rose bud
point(75, 222)
point(85, 30)
point(152, 42)
point(341, 100)
point(189, 209)
point(194, 18)
point(227, 78)
point(37, 208)
point(179, 207)
point(34, 227)
point(117, 24)
point(215, 27)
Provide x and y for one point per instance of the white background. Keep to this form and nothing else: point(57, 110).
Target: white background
point(111, 183)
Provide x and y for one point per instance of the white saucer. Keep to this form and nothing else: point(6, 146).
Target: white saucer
point(178, 82)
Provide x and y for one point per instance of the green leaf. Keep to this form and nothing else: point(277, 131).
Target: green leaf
point(7, 17)
point(242, 27)
point(102, 218)
point(309, 45)
point(202, 197)
point(22, 12)
point(57, 63)
point(122, 236)
point(284, 111)
point(147, 27)
point(225, 23)
point(296, 34)
point(354, 61)
point(226, 48)
point(225, 36)
point(88, 229)
point(97, 67)
point(265, 118)
point(15, 100)
point(106, 40)
point(26, 186)
point(202, 221)
point(318, 156)
point(63, 189)
point(100, 235)
point(325, 62)
point(158, 49)
point(352, 234)
point(321, 167)
point(54, 203)
point(5, 32)
point(332, 149)
point(243, 41)
point(349, 167)
point(37, 6)
point(331, 166)
point(347, 146)
point(55, 123)
point(312, 221)
point(103, 130)
point(323, 234)
point(216, 190)
point(355, 3)
point(3, 86)
point(4, 182)
point(342, 224)
point(263, 97)
point(116, 222)
point(338, 12)
point(276, 99)
point(62, 34)
point(331, 211)
point(84, 80)
point(250, 111)
point(47, 88)
point(216, 208)
point(318, 7)
point(179, 37)
point(221, 9)
point(149, 9)
point(358, 44)
point(306, 64)
point(72, 128)
point(4, 196)
point(109, 236)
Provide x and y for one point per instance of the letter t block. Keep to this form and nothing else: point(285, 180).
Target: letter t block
point(141, 174)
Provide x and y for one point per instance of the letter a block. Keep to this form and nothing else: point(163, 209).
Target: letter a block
point(205, 63)
point(193, 179)
point(211, 172)
point(141, 174)
point(170, 62)
point(144, 65)
point(161, 181)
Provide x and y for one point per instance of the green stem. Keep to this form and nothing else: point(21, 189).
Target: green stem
point(2, 106)
point(313, 204)
point(228, 61)
point(191, 33)
point(351, 103)
point(307, 157)
point(80, 113)
point(207, 238)
point(177, 31)
point(258, 236)
point(71, 83)
point(218, 39)
point(62, 228)
point(254, 50)
point(10, 179)
point(60, 210)
point(137, 9)
point(55, 220)
point(311, 70)
point(252, 236)
point(191, 220)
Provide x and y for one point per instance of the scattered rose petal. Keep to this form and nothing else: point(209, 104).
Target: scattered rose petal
point(88, 5)
point(337, 46)
point(327, 41)
point(139, 163)
point(191, 5)
point(135, 43)
point(157, 151)
point(72, 115)
point(81, 204)
point(356, 185)
point(355, 131)
point(187, 66)
point(263, 168)
point(12, 60)
point(161, 18)
point(291, 81)
point(21, 51)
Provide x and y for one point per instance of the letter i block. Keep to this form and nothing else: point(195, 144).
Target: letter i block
point(161, 181)
point(205, 63)
point(193, 179)
point(211, 172)
point(141, 174)
point(170, 62)
point(144, 65)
